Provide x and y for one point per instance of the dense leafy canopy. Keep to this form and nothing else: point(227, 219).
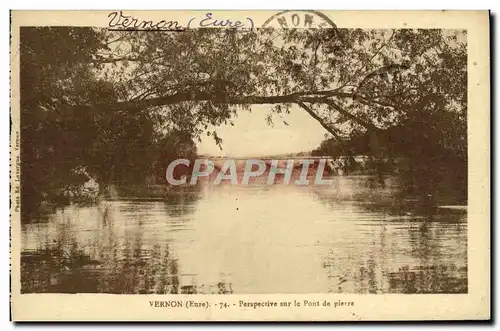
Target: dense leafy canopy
point(103, 103)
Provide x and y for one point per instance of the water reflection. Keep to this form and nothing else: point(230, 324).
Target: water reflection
point(350, 237)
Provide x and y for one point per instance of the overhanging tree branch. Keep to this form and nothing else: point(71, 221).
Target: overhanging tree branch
point(104, 60)
point(384, 44)
point(201, 96)
point(319, 119)
point(368, 125)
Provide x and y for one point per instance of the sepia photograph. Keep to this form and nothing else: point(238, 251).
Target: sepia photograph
point(223, 156)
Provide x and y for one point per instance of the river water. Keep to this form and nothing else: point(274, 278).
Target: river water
point(349, 237)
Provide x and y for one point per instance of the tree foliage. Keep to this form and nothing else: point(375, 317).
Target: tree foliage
point(93, 99)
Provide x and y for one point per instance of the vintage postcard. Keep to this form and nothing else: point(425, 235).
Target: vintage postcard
point(250, 165)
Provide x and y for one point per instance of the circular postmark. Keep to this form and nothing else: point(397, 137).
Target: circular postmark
point(299, 19)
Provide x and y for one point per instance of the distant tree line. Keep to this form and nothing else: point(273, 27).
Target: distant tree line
point(425, 152)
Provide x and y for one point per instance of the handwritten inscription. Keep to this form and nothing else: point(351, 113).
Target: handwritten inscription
point(119, 21)
point(210, 21)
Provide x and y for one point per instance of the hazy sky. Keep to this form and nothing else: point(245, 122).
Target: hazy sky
point(252, 136)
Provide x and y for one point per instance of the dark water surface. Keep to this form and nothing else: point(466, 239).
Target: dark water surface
point(344, 238)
